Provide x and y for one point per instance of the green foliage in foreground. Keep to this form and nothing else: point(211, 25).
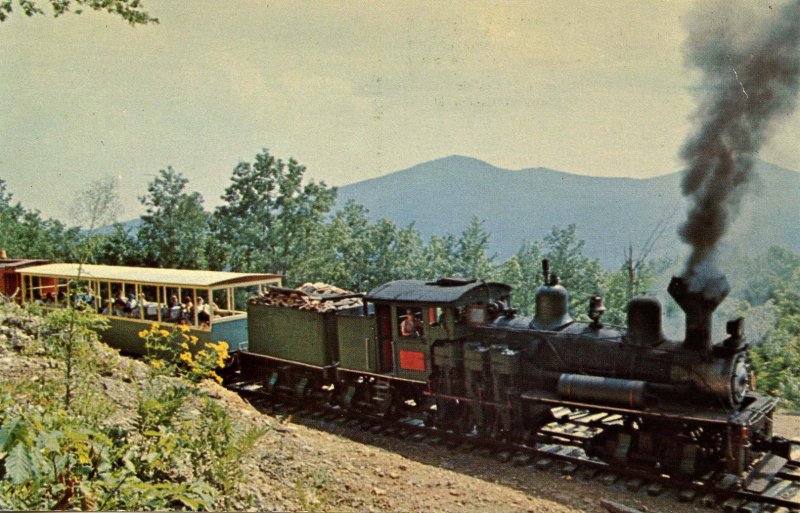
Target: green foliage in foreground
point(777, 358)
point(181, 451)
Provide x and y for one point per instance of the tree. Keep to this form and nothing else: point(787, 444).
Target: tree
point(391, 253)
point(777, 358)
point(45, 238)
point(338, 254)
point(270, 219)
point(76, 329)
point(635, 277)
point(766, 273)
point(96, 204)
point(118, 247)
point(175, 228)
point(438, 258)
point(131, 11)
point(10, 216)
point(357, 255)
point(464, 256)
point(523, 272)
point(92, 208)
point(25, 234)
point(407, 251)
point(470, 253)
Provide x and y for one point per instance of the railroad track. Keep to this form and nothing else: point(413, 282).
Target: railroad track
point(772, 490)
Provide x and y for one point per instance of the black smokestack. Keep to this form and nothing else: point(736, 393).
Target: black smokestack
point(750, 75)
point(698, 305)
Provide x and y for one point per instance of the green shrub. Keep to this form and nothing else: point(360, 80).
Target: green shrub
point(180, 452)
point(174, 352)
point(776, 362)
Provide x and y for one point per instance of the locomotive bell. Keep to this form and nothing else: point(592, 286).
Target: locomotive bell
point(552, 303)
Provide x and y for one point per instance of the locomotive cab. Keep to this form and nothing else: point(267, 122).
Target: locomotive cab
point(417, 320)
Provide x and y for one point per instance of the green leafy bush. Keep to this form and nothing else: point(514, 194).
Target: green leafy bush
point(777, 364)
point(180, 451)
point(174, 352)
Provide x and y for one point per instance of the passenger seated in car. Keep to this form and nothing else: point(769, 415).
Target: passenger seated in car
point(174, 308)
point(188, 309)
point(203, 311)
point(120, 304)
point(132, 304)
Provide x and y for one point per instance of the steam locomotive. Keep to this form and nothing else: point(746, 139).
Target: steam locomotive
point(455, 353)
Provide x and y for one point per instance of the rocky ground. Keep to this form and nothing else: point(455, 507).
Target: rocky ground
point(295, 468)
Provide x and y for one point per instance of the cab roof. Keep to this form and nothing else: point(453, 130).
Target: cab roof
point(443, 291)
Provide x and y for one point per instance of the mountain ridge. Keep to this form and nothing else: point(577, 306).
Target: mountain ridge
point(441, 196)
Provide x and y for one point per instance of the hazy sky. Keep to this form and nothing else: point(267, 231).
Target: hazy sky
point(352, 90)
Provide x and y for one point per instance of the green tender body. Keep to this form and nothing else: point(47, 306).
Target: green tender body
point(357, 344)
point(291, 334)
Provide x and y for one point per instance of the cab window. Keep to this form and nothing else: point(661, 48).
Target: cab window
point(410, 323)
point(435, 316)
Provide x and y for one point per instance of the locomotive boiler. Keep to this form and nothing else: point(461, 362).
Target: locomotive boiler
point(589, 362)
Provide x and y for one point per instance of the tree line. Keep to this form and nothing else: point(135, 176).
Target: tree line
point(274, 220)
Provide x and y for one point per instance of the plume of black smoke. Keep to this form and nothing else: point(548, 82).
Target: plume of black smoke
point(750, 75)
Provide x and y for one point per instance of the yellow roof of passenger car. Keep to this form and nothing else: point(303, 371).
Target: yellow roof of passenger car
point(150, 275)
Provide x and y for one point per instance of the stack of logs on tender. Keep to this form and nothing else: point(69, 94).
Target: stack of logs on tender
point(310, 297)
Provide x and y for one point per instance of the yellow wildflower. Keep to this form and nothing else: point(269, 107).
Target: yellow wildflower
point(185, 345)
point(219, 379)
point(164, 333)
point(183, 328)
point(143, 333)
point(194, 339)
point(186, 356)
point(155, 326)
point(157, 364)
